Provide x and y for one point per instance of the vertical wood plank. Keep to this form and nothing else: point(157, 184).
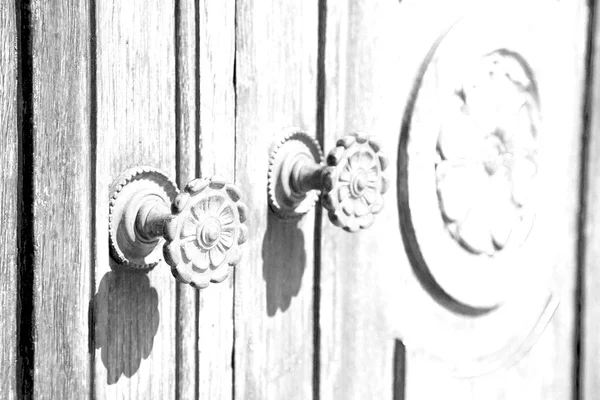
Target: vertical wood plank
point(206, 50)
point(217, 156)
point(186, 122)
point(60, 51)
point(135, 312)
point(8, 199)
point(365, 80)
point(276, 60)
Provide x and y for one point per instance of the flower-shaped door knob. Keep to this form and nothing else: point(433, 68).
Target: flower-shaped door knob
point(198, 231)
point(351, 182)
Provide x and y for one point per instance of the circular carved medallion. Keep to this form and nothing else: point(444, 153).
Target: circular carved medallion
point(471, 163)
point(472, 182)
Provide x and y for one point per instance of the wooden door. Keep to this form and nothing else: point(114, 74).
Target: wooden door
point(196, 88)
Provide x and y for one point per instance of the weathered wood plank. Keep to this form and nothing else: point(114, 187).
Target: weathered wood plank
point(135, 313)
point(365, 80)
point(62, 153)
point(217, 156)
point(276, 60)
point(187, 149)
point(8, 199)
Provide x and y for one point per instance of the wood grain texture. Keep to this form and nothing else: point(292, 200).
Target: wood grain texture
point(217, 157)
point(186, 333)
point(365, 80)
point(60, 37)
point(276, 61)
point(8, 199)
point(134, 312)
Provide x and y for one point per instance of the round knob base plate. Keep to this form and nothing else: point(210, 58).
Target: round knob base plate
point(133, 188)
point(293, 146)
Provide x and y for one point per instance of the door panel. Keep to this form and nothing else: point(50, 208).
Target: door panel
point(9, 153)
point(216, 149)
point(62, 205)
point(374, 52)
point(365, 71)
point(186, 126)
point(134, 312)
point(276, 87)
point(547, 371)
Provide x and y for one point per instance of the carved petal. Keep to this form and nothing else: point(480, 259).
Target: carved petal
point(226, 216)
point(522, 173)
point(217, 255)
point(366, 221)
point(372, 174)
point(523, 128)
point(200, 210)
point(189, 227)
point(344, 193)
point(234, 256)
point(214, 204)
point(369, 195)
point(502, 222)
point(378, 204)
point(458, 188)
point(219, 274)
point(474, 231)
point(226, 238)
point(348, 206)
point(360, 207)
point(183, 273)
point(345, 176)
point(200, 281)
point(201, 262)
point(190, 250)
point(365, 160)
point(353, 161)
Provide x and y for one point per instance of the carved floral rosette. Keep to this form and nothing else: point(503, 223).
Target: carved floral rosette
point(358, 183)
point(476, 165)
point(487, 152)
point(206, 231)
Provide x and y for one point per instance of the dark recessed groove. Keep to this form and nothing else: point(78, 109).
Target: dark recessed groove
point(399, 372)
point(25, 277)
point(320, 133)
point(588, 95)
point(93, 189)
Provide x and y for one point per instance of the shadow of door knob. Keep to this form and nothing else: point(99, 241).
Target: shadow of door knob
point(351, 182)
point(198, 231)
